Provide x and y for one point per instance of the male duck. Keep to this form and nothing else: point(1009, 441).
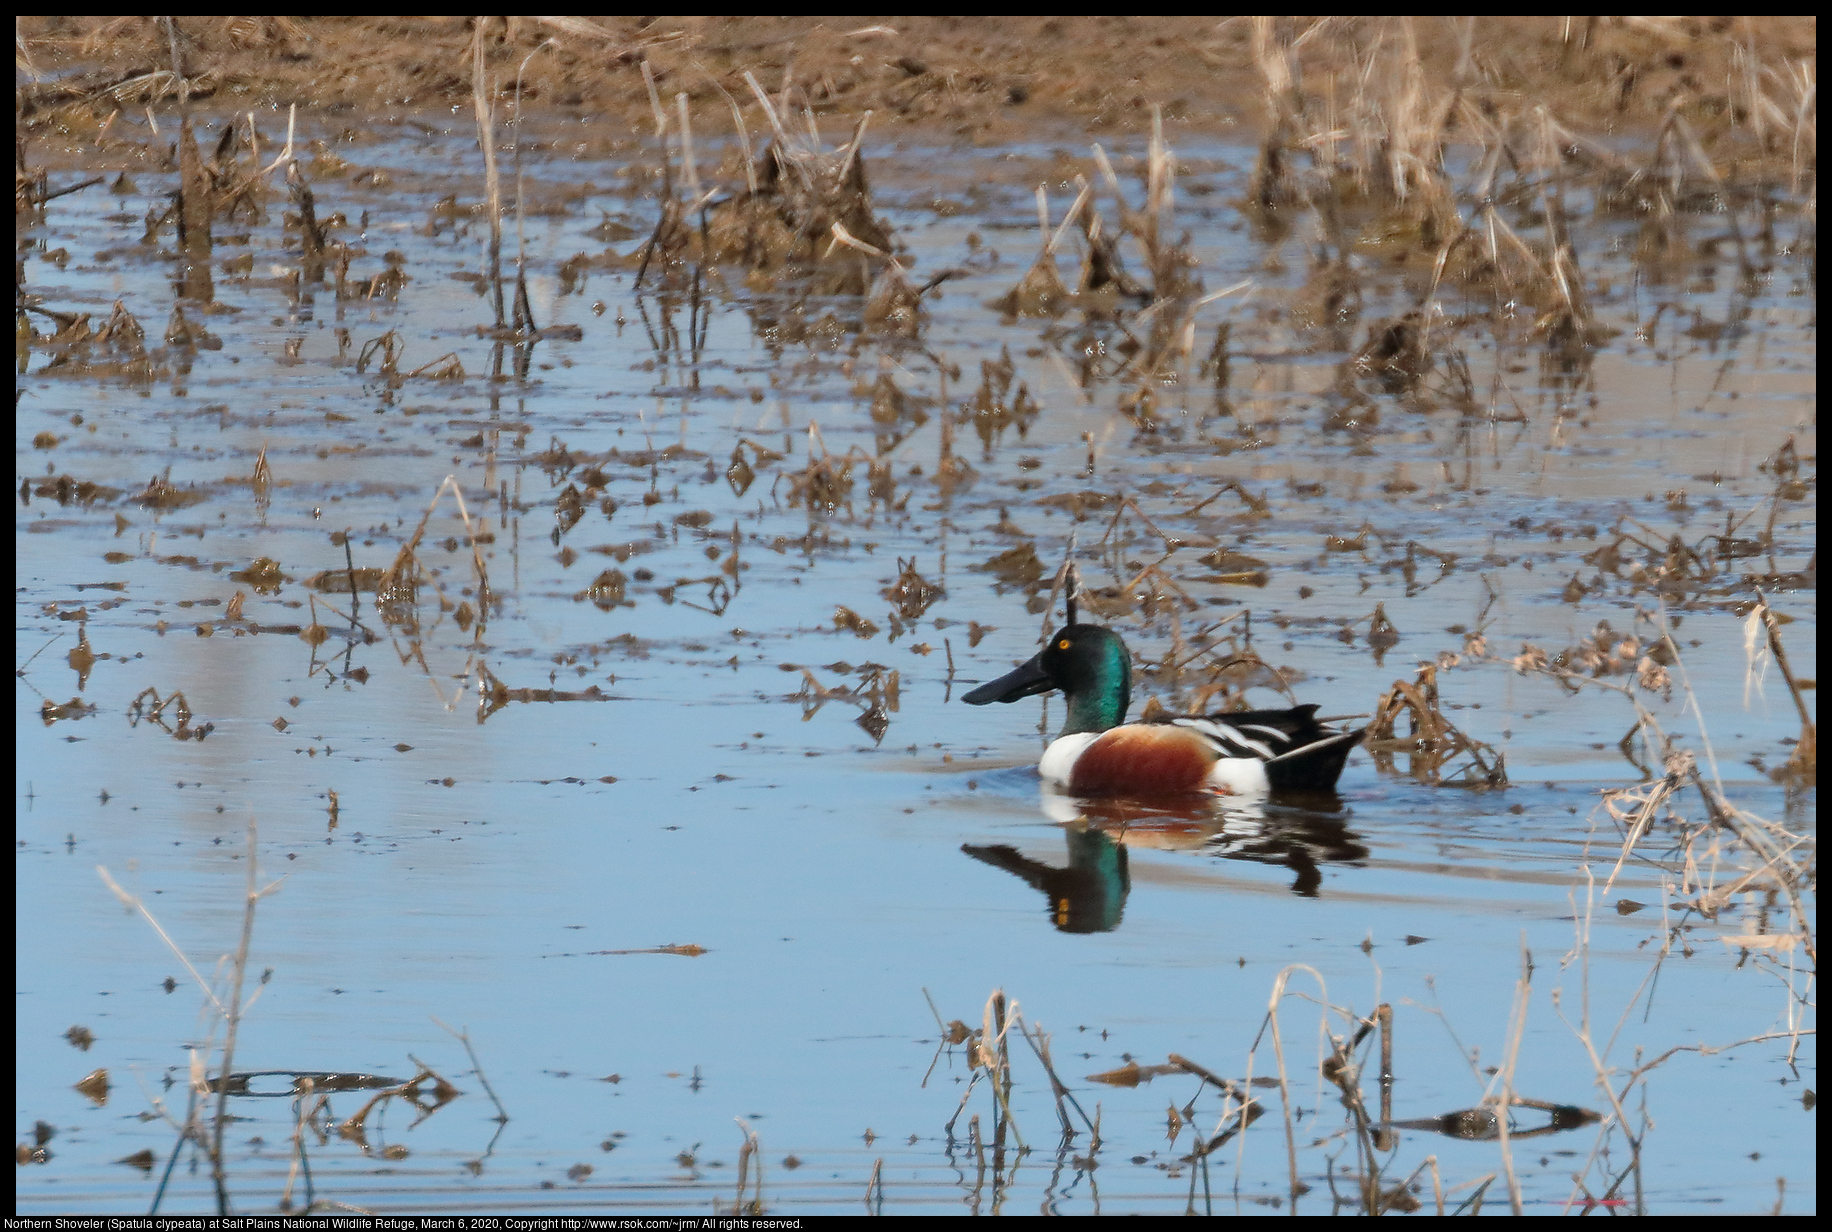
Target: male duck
point(1250, 752)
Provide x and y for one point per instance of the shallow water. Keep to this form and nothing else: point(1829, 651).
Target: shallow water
point(478, 860)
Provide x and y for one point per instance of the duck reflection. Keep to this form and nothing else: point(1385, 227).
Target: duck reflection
point(1089, 896)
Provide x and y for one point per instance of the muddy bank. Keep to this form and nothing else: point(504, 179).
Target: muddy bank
point(984, 79)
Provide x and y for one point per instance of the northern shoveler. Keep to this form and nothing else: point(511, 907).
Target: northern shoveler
point(1248, 752)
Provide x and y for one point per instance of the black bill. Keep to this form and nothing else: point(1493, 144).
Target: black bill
point(1026, 681)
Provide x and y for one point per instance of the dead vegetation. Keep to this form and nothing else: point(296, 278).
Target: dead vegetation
point(1484, 187)
point(796, 215)
point(878, 694)
point(207, 1118)
point(982, 77)
point(1729, 845)
point(397, 592)
point(1431, 743)
point(1354, 1159)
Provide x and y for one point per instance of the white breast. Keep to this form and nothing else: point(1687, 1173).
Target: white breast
point(1059, 758)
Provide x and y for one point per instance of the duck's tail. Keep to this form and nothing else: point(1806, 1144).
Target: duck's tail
point(1315, 766)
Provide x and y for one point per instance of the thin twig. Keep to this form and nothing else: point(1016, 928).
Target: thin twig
point(464, 1037)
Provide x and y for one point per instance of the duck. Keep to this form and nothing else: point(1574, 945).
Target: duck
point(1251, 753)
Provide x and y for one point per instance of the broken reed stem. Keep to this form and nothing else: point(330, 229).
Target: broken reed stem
point(783, 141)
point(1113, 184)
point(185, 1132)
point(972, 1082)
point(493, 189)
point(687, 158)
point(1517, 1027)
point(1278, 1053)
point(184, 86)
point(286, 153)
point(234, 1018)
point(1787, 870)
point(1224, 1085)
point(751, 1149)
point(852, 148)
point(999, 1017)
point(1041, 1046)
point(464, 1037)
point(1405, 1186)
point(1603, 1071)
point(1384, 1139)
point(1159, 177)
point(406, 554)
point(743, 130)
point(655, 103)
point(299, 1160)
point(1582, 1030)
point(354, 1124)
point(1244, 1114)
point(1062, 229)
point(521, 245)
point(1806, 753)
point(128, 900)
point(939, 1024)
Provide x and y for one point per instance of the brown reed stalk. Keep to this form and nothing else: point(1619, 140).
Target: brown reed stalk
point(483, 107)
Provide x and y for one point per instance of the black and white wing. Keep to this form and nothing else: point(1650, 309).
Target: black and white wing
point(1300, 753)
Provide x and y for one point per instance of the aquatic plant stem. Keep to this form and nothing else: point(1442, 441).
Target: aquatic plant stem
point(234, 1018)
point(493, 190)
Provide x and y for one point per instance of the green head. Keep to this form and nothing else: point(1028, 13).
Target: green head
point(1091, 666)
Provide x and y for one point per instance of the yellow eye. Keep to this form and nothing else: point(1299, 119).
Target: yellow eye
point(1063, 644)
